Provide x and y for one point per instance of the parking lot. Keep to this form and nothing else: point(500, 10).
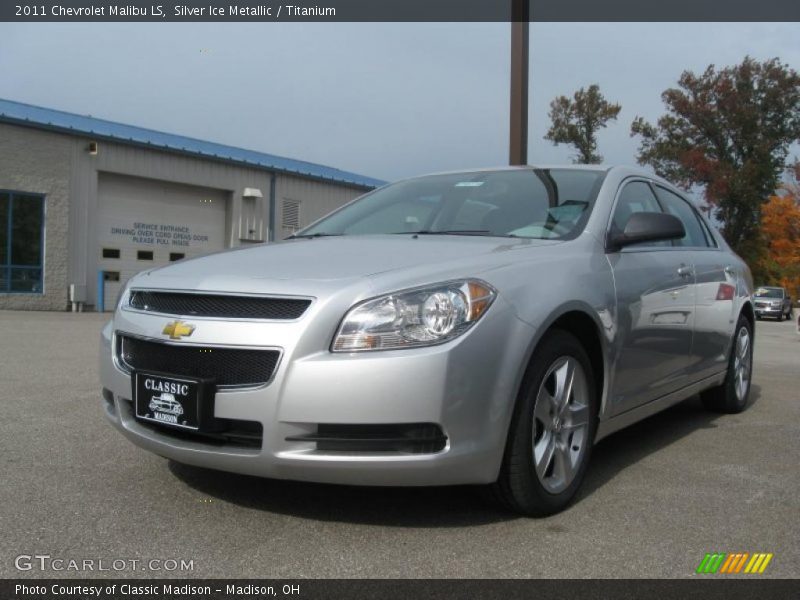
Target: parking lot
point(658, 495)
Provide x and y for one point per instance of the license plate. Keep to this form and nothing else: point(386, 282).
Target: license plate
point(169, 401)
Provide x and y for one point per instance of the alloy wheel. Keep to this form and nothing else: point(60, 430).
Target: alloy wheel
point(560, 424)
point(742, 364)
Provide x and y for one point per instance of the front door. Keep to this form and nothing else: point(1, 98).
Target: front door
point(655, 286)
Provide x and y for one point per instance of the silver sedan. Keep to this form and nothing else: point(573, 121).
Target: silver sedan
point(482, 327)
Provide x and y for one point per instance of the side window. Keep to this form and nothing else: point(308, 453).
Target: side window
point(677, 206)
point(706, 227)
point(635, 197)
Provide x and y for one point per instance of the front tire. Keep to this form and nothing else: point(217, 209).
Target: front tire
point(732, 395)
point(552, 431)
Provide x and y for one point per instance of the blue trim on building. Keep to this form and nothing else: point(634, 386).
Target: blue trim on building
point(101, 291)
point(19, 113)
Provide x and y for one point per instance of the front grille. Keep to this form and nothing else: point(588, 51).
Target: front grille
point(230, 367)
point(767, 305)
point(214, 305)
point(411, 438)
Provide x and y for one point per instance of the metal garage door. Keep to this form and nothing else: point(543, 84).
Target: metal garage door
point(143, 223)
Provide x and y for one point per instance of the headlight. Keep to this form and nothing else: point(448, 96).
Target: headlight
point(123, 295)
point(413, 318)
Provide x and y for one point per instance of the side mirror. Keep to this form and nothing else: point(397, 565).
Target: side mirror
point(648, 227)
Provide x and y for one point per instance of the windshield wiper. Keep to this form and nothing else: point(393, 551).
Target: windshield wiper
point(308, 236)
point(446, 232)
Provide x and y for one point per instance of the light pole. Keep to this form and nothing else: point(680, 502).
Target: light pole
point(518, 125)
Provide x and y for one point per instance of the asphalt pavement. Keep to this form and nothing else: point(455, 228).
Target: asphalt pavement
point(658, 495)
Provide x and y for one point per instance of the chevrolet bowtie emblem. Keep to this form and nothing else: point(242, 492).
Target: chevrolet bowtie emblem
point(178, 329)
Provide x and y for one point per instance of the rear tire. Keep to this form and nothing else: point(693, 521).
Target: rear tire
point(732, 395)
point(552, 431)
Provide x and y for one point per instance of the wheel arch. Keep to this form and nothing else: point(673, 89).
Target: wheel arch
point(582, 321)
point(584, 328)
point(749, 314)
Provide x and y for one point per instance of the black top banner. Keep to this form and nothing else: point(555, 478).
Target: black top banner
point(401, 10)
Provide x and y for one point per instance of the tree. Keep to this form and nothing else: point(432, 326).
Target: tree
point(577, 121)
point(728, 131)
point(780, 226)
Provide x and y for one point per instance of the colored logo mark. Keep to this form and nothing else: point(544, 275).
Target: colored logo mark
point(738, 562)
point(178, 329)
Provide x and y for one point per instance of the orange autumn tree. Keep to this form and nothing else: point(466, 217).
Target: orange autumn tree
point(728, 131)
point(780, 227)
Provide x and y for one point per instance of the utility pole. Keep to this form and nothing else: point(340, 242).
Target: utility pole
point(518, 130)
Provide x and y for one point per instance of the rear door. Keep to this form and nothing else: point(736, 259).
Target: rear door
point(655, 308)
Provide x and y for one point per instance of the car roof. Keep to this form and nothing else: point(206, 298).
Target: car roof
point(600, 168)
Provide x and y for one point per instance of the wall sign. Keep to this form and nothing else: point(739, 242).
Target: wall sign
point(161, 234)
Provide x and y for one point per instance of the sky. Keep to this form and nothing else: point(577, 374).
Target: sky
point(388, 100)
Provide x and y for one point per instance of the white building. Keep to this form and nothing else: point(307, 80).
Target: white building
point(86, 203)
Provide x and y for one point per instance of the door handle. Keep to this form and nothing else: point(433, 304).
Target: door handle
point(685, 271)
point(729, 270)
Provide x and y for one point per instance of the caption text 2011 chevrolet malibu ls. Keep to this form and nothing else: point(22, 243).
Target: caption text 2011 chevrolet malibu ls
point(482, 327)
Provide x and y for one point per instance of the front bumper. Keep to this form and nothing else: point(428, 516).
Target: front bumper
point(467, 387)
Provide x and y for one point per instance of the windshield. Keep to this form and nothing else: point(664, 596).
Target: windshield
point(526, 203)
point(769, 293)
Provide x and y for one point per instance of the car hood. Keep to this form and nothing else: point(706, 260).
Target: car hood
point(304, 265)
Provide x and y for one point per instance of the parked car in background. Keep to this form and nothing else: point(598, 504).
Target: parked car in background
point(775, 302)
point(482, 327)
